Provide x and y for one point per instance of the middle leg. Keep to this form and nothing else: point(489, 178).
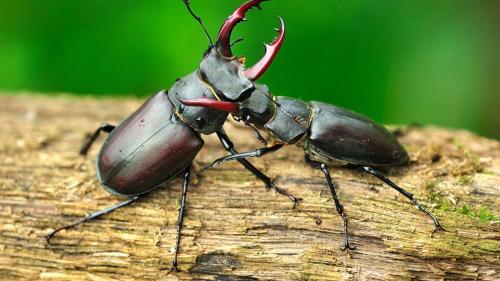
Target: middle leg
point(180, 218)
point(229, 146)
point(240, 156)
point(338, 206)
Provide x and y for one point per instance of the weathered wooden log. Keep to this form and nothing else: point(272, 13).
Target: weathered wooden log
point(234, 229)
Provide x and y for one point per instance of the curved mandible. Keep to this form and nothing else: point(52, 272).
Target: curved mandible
point(253, 73)
point(224, 37)
point(226, 106)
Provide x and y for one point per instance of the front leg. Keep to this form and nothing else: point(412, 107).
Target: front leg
point(268, 182)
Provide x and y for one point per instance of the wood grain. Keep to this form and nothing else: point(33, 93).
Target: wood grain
point(234, 229)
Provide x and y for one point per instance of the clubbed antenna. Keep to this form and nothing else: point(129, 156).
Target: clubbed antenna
point(188, 6)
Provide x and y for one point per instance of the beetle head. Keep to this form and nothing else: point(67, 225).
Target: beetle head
point(257, 109)
point(224, 71)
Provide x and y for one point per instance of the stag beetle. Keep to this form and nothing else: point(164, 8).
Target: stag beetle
point(160, 140)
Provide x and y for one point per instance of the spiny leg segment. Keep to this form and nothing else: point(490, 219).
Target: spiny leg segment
point(92, 216)
point(238, 156)
point(338, 206)
point(180, 219)
point(382, 177)
point(229, 146)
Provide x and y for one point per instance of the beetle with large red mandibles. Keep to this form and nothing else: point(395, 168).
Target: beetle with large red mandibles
point(161, 139)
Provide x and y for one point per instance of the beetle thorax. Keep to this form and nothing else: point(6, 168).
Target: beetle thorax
point(202, 119)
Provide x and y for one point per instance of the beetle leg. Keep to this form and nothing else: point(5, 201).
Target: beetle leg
point(255, 153)
point(407, 194)
point(260, 138)
point(338, 206)
point(229, 146)
point(180, 219)
point(105, 127)
point(92, 216)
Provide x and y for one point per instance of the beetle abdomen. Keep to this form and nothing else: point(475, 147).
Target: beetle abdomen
point(340, 136)
point(148, 148)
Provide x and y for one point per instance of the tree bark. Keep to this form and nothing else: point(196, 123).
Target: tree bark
point(234, 229)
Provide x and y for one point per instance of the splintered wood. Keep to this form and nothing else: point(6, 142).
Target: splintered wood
point(235, 229)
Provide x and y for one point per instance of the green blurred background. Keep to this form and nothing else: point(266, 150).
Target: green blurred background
point(399, 62)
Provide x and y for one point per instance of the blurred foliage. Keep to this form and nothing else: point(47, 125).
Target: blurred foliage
point(427, 62)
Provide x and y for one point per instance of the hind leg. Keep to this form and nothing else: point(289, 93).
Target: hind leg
point(92, 216)
point(382, 177)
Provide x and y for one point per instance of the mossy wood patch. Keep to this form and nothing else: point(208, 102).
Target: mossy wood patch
point(234, 229)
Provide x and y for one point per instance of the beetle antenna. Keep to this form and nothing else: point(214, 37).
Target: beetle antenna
point(188, 6)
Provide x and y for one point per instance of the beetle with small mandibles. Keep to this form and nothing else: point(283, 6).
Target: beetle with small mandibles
point(160, 140)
